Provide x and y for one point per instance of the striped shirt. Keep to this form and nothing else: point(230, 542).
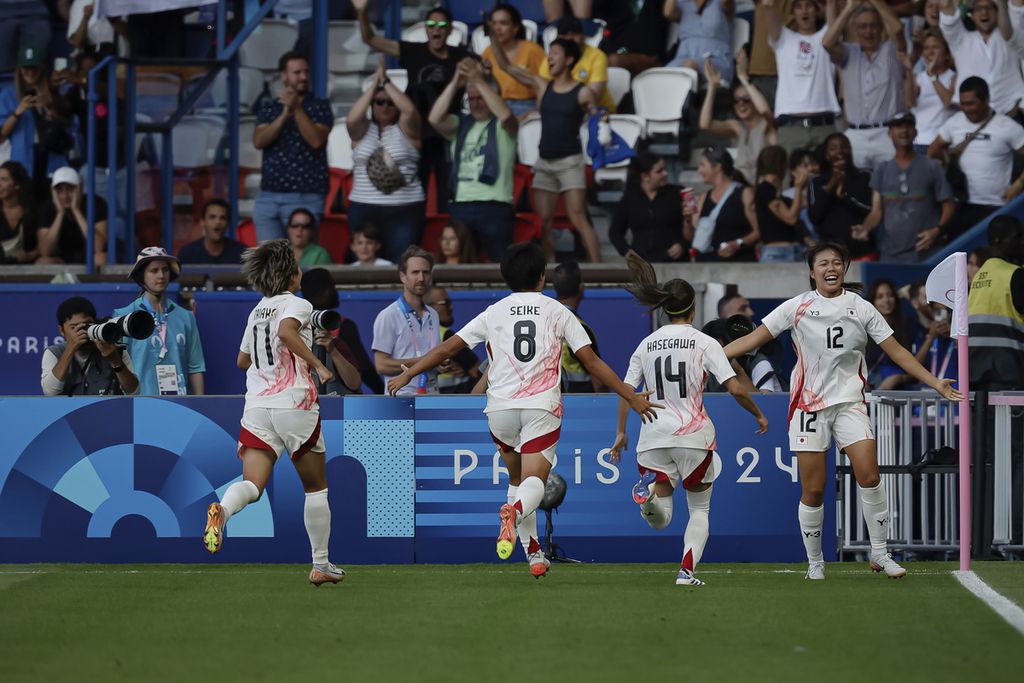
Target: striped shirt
point(406, 157)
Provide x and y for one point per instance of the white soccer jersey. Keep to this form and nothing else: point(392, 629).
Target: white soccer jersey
point(523, 333)
point(673, 361)
point(829, 336)
point(277, 378)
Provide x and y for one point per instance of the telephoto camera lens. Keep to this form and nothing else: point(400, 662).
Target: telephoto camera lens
point(137, 325)
point(325, 320)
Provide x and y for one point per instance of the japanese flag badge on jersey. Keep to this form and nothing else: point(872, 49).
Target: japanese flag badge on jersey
point(802, 440)
point(852, 312)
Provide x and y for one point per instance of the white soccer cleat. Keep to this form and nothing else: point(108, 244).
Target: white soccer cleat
point(885, 563)
point(686, 578)
point(815, 571)
point(539, 564)
point(326, 573)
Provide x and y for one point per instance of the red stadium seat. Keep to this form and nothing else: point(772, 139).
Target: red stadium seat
point(339, 188)
point(246, 233)
point(432, 229)
point(334, 237)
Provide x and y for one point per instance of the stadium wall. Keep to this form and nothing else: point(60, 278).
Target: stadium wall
point(411, 480)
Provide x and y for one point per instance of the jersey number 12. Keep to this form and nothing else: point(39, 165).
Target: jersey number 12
point(832, 337)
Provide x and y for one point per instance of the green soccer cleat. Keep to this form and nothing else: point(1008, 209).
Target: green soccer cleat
point(507, 535)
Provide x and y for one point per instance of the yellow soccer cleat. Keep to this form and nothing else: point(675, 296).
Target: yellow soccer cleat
point(213, 537)
point(507, 535)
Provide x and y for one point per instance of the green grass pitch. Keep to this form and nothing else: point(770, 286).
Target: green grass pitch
point(496, 623)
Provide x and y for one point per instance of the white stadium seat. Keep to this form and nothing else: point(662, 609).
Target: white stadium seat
point(528, 140)
point(740, 34)
point(339, 147)
point(266, 44)
point(659, 95)
point(618, 83)
point(481, 42)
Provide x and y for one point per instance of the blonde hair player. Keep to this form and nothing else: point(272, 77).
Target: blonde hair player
point(831, 326)
point(523, 334)
point(672, 363)
point(281, 410)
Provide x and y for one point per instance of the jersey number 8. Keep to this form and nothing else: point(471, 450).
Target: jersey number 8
point(524, 346)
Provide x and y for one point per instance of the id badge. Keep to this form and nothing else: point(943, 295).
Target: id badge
point(167, 380)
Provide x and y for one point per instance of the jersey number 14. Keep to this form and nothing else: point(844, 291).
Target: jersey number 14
point(665, 372)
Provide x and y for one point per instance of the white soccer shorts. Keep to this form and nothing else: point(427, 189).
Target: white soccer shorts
point(847, 423)
point(692, 466)
point(526, 430)
point(281, 429)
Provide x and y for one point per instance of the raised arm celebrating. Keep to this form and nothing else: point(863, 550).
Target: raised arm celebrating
point(379, 43)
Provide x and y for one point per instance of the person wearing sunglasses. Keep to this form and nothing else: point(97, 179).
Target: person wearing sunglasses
point(301, 228)
point(430, 67)
point(911, 196)
point(753, 129)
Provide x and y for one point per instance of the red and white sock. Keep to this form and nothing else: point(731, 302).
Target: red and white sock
point(238, 495)
point(697, 528)
point(529, 495)
point(317, 516)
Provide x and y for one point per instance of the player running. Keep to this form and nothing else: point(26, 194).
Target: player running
point(281, 410)
point(672, 362)
point(523, 334)
point(831, 326)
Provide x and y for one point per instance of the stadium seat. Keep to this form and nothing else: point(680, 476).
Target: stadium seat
point(593, 39)
point(266, 44)
point(740, 34)
point(433, 226)
point(246, 233)
point(631, 128)
point(346, 51)
point(339, 167)
point(659, 95)
point(339, 147)
point(481, 41)
point(528, 140)
point(250, 86)
point(618, 83)
point(195, 142)
point(417, 33)
point(334, 237)
point(157, 94)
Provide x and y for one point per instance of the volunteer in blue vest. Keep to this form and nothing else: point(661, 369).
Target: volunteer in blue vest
point(483, 156)
point(170, 362)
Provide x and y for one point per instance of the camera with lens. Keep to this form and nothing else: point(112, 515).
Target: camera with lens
point(325, 320)
point(137, 325)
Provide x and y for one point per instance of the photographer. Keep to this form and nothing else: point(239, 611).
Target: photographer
point(339, 350)
point(79, 366)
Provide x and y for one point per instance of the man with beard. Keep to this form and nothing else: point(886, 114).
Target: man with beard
point(408, 329)
point(431, 66)
point(465, 367)
point(292, 133)
point(213, 246)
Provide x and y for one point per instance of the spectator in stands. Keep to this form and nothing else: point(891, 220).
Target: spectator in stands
point(924, 23)
point(334, 348)
point(430, 67)
point(86, 31)
point(292, 133)
point(651, 210)
point(483, 153)
point(805, 161)
point(63, 228)
point(872, 76)
point(726, 225)
point(569, 289)
point(319, 290)
point(505, 28)
point(464, 369)
point(705, 32)
point(883, 373)
point(36, 119)
point(214, 246)
point(366, 245)
point(23, 23)
point(988, 53)
point(408, 329)
point(783, 236)
point(301, 228)
point(984, 143)
point(385, 152)
point(591, 70)
point(18, 225)
point(734, 304)
point(929, 94)
point(910, 196)
point(79, 366)
point(752, 129)
point(635, 33)
point(456, 245)
point(763, 70)
point(932, 345)
point(840, 197)
point(563, 103)
point(975, 260)
point(174, 353)
point(805, 98)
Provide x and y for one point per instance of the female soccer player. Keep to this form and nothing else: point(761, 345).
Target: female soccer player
point(281, 410)
point(831, 326)
point(523, 334)
point(672, 362)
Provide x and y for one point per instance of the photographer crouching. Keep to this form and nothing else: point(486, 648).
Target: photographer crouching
point(84, 364)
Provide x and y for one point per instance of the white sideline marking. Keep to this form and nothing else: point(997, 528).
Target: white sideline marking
point(450, 569)
point(1010, 611)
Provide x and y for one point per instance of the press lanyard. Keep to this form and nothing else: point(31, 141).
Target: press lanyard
point(409, 315)
point(945, 361)
point(161, 327)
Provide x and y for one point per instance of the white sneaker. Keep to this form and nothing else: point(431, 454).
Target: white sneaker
point(539, 564)
point(326, 573)
point(815, 571)
point(686, 578)
point(885, 563)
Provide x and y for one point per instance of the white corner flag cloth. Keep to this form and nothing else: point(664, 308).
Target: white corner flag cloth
point(947, 285)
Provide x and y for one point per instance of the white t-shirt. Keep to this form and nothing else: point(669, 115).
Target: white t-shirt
point(997, 61)
point(829, 335)
point(674, 361)
point(929, 111)
point(806, 74)
point(988, 160)
point(277, 378)
point(524, 334)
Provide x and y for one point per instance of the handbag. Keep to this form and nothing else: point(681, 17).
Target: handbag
point(705, 230)
point(955, 175)
point(383, 172)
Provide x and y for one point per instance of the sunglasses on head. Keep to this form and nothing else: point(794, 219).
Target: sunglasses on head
point(430, 23)
point(383, 103)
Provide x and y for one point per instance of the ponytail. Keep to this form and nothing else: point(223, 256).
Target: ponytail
point(676, 296)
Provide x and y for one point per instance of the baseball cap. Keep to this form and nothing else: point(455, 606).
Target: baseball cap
point(30, 56)
point(903, 117)
point(150, 254)
point(65, 175)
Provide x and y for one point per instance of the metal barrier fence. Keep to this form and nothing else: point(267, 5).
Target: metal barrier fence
point(922, 488)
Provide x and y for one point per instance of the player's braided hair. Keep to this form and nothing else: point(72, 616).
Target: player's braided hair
point(270, 267)
point(675, 296)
